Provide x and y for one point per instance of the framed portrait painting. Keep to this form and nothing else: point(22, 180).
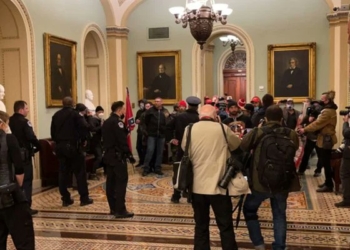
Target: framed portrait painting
point(60, 70)
point(292, 71)
point(159, 75)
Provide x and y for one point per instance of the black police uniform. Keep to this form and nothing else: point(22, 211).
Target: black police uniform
point(15, 217)
point(175, 129)
point(29, 144)
point(114, 136)
point(96, 141)
point(69, 130)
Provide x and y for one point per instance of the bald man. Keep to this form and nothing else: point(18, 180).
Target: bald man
point(208, 155)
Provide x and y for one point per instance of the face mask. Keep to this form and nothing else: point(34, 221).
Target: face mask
point(289, 106)
point(101, 115)
point(142, 106)
point(256, 109)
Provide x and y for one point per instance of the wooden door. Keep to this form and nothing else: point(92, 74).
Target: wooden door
point(235, 84)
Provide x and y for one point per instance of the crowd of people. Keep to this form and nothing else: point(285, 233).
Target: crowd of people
point(266, 130)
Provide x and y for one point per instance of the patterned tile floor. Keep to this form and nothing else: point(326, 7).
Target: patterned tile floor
point(313, 221)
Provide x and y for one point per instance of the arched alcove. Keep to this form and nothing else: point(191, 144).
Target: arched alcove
point(17, 62)
point(198, 56)
point(95, 65)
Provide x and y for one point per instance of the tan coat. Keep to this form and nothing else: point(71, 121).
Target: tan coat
point(208, 153)
point(325, 125)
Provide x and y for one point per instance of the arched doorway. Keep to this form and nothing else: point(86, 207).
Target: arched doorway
point(17, 63)
point(95, 77)
point(198, 55)
point(234, 75)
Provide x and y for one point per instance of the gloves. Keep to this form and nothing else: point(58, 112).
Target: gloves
point(131, 159)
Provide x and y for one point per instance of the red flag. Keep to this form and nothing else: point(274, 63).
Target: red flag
point(129, 118)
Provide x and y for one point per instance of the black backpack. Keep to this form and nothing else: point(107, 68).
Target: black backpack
point(276, 168)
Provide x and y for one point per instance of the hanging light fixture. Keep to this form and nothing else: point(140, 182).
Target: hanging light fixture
point(200, 16)
point(232, 40)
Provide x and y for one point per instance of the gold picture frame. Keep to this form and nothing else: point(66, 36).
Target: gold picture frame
point(60, 70)
point(157, 81)
point(292, 71)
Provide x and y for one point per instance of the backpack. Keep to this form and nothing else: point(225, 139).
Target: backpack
point(276, 168)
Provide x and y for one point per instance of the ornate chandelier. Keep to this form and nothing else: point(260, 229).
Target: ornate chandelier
point(201, 16)
point(232, 40)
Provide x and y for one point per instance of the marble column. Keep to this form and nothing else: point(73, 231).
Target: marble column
point(117, 38)
point(339, 62)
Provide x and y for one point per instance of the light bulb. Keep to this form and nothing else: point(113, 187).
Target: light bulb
point(177, 10)
point(224, 39)
point(227, 12)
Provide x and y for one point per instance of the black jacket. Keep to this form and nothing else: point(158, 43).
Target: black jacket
point(23, 130)
point(176, 127)
point(241, 118)
point(96, 129)
point(258, 116)
point(346, 134)
point(138, 117)
point(114, 136)
point(68, 126)
point(155, 122)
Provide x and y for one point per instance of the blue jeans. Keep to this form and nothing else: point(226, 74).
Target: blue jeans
point(278, 205)
point(154, 143)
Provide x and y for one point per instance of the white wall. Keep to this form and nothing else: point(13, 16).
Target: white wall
point(66, 19)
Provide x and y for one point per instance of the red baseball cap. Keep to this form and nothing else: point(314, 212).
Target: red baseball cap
point(182, 103)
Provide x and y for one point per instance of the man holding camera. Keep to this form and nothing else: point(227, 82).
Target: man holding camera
point(345, 165)
point(326, 138)
point(114, 135)
point(208, 152)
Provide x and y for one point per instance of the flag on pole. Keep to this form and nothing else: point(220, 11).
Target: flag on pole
point(129, 118)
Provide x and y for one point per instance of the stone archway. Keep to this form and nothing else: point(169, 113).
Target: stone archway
point(17, 62)
point(95, 65)
point(198, 58)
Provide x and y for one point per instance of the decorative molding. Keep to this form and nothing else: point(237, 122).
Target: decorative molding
point(338, 17)
point(103, 68)
point(116, 31)
point(197, 58)
point(237, 61)
point(17, 29)
point(121, 2)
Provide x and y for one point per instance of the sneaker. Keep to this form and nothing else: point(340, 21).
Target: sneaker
point(322, 185)
point(159, 172)
point(33, 211)
point(175, 200)
point(342, 204)
point(324, 189)
point(317, 174)
point(86, 202)
point(126, 214)
point(67, 203)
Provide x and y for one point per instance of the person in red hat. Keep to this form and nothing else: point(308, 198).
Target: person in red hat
point(256, 103)
point(182, 106)
point(241, 103)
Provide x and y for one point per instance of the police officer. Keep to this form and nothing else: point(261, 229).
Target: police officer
point(15, 217)
point(114, 136)
point(175, 130)
point(68, 131)
point(29, 144)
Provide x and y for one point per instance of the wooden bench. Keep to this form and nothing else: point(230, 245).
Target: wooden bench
point(49, 164)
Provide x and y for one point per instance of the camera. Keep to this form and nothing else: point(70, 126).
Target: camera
point(345, 112)
point(233, 167)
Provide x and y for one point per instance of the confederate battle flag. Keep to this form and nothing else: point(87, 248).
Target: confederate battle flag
point(129, 118)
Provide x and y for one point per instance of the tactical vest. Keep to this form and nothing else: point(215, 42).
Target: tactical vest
point(6, 176)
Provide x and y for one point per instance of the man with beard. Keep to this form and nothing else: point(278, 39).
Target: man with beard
point(236, 116)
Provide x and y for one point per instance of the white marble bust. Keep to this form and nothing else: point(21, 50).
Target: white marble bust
point(2, 95)
point(89, 97)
